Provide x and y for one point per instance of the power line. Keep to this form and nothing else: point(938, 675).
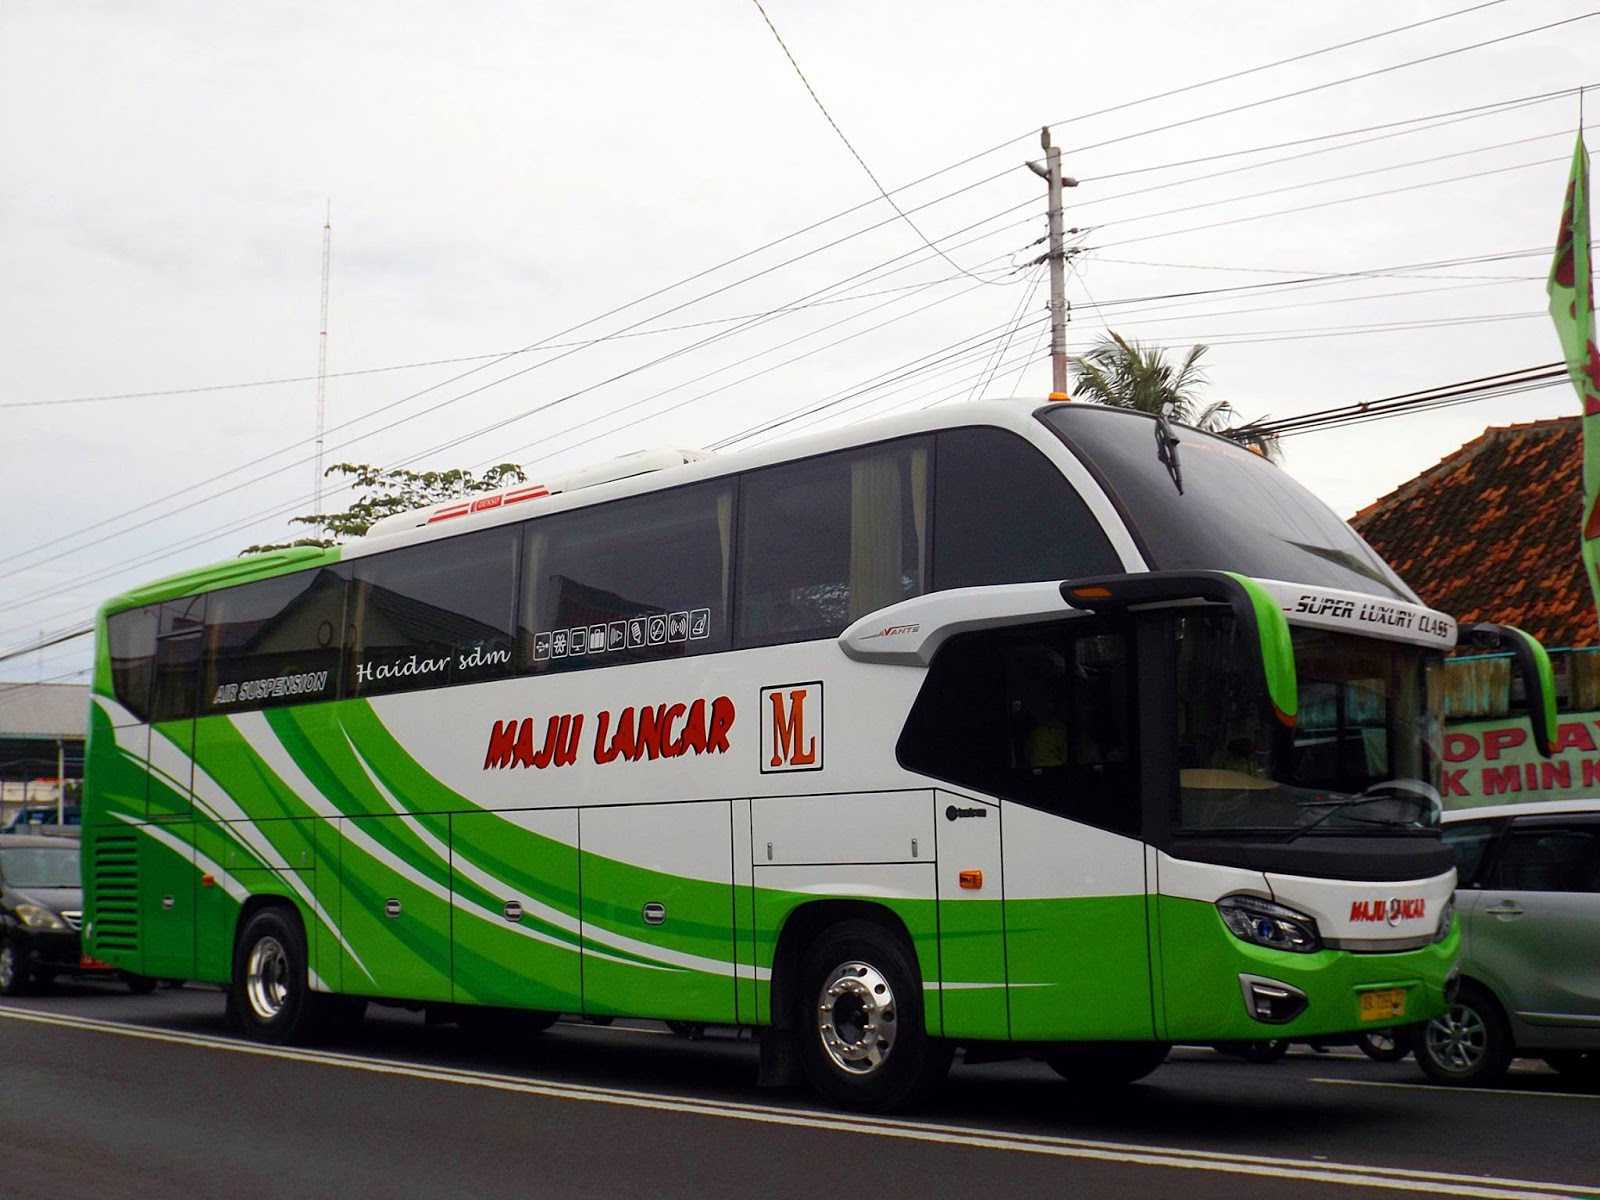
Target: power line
point(854, 153)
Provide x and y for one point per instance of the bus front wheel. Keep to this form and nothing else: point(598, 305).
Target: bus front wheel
point(864, 1044)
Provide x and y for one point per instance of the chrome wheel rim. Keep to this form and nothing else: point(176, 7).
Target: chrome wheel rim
point(8, 965)
point(856, 1018)
point(266, 978)
point(1459, 1039)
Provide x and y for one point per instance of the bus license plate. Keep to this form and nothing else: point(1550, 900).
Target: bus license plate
point(1387, 1005)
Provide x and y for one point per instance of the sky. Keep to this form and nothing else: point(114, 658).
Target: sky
point(562, 232)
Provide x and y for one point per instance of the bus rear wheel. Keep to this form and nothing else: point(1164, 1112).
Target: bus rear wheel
point(864, 1044)
point(271, 996)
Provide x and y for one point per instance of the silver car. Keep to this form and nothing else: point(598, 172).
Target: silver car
point(1529, 902)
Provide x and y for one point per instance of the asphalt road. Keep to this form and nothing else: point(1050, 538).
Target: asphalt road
point(103, 1094)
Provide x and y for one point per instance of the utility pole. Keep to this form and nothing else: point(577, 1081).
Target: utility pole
point(322, 356)
point(1051, 173)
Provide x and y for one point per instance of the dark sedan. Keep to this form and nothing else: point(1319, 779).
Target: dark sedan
point(41, 907)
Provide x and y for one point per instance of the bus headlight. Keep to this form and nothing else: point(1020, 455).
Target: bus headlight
point(1264, 923)
point(1446, 919)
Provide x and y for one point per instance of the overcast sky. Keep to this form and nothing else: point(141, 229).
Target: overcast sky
point(506, 176)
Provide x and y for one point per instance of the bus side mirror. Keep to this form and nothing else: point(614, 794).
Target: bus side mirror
point(1257, 617)
point(1528, 658)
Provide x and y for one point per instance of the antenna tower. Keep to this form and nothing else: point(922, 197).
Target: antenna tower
point(322, 356)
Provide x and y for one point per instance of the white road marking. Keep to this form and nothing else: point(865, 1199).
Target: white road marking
point(1432, 1183)
point(1461, 1091)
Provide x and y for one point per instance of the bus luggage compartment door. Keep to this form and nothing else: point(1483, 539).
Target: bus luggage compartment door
point(515, 879)
point(658, 911)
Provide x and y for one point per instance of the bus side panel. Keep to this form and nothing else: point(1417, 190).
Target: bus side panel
point(1077, 941)
point(514, 878)
point(909, 891)
point(329, 957)
point(243, 859)
point(751, 994)
point(395, 908)
point(657, 883)
point(115, 765)
point(972, 935)
point(167, 900)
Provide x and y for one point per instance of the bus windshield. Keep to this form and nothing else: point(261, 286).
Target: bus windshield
point(1234, 510)
point(1364, 755)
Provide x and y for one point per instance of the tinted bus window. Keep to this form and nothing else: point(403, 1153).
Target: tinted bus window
point(131, 642)
point(633, 580)
point(1004, 514)
point(431, 615)
point(179, 625)
point(273, 642)
point(825, 541)
point(1046, 718)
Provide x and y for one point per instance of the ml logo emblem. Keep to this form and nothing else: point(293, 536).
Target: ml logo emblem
point(791, 727)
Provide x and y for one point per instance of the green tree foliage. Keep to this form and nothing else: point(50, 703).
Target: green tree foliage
point(1129, 374)
point(381, 493)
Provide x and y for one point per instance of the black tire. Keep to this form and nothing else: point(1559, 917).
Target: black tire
point(139, 985)
point(864, 1044)
point(1385, 1045)
point(14, 977)
point(1259, 1051)
point(1469, 1045)
point(271, 996)
point(1581, 1067)
point(1106, 1064)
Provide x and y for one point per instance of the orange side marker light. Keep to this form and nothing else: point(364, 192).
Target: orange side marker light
point(972, 879)
point(208, 880)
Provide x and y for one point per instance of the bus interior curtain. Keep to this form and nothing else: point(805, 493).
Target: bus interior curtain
point(875, 533)
point(919, 516)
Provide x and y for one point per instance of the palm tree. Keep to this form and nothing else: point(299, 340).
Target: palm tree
point(1128, 374)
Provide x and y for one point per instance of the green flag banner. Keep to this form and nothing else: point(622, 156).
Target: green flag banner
point(1571, 290)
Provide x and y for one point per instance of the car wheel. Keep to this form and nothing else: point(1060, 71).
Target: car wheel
point(139, 985)
point(1469, 1044)
point(14, 979)
point(863, 1043)
point(271, 997)
point(1106, 1064)
point(1385, 1045)
point(1580, 1066)
point(1261, 1051)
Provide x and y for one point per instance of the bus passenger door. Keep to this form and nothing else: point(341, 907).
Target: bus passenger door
point(658, 911)
point(515, 879)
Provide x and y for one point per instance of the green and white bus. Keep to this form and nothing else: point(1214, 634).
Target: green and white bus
point(1030, 730)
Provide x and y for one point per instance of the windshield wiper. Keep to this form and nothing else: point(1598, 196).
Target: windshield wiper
point(1423, 797)
point(1167, 450)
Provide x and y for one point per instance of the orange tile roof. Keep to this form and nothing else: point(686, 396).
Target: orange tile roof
point(1491, 532)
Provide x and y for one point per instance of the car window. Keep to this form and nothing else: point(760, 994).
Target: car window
point(1550, 860)
point(39, 866)
point(1469, 839)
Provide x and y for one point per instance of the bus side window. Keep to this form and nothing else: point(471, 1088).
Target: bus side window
point(827, 540)
point(131, 638)
point(1003, 513)
point(433, 614)
point(273, 642)
point(1045, 718)
point(629, 581)
point(179, 626)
